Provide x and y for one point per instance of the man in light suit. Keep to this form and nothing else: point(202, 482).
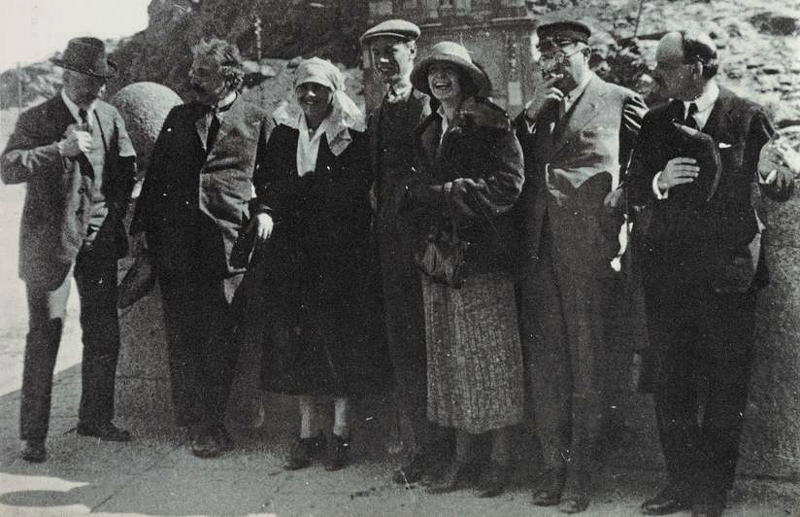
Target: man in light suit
point(703, 266)
point(193, 209)
point(79, 165)
point(577, 134)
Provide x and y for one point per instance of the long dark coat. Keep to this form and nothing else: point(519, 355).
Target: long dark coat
point(324, 334)
point(188, 181)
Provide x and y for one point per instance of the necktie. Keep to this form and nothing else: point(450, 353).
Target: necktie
point(213, 129)
point(690, 120)
point(84, 116)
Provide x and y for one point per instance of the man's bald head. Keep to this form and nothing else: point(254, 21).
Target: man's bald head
point(686, 60)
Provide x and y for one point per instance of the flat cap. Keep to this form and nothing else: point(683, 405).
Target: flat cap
point(564, 29)
point(396, 28)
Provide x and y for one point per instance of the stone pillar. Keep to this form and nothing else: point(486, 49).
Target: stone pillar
point(143, 375)
point(770, 443)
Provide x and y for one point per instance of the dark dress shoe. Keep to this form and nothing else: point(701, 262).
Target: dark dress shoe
point(493, 480)
point(211, 443)
point(549, 488)
point(338, 453)
point(107, 432)
point(577, 489)
point(574, 502)
point(457, 476)
point(304, 450)
point(34, 451)
point(413, 471)
point(665, 503)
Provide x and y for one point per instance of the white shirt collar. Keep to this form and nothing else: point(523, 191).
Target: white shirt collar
point(74, 109)
point(227, 100)
point(308, 144)
point(445, 125)
point(398, 92)
point(704, 104)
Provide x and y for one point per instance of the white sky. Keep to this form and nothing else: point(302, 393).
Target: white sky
point(32, 30)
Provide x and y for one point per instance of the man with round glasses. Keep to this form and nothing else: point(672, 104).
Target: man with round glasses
point(577, 134)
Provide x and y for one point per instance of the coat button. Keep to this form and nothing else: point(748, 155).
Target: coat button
point(81, 191)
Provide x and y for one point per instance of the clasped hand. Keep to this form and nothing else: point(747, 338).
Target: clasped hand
point(678, 171)
point(76, 141)
point(544, 94)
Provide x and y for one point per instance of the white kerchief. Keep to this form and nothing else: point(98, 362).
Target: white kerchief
point(344, 116)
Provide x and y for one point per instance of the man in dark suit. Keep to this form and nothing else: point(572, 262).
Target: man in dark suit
point(703, 266)
point(390, 126)
point(577, 134)
point(193, 209)
point(79, 165)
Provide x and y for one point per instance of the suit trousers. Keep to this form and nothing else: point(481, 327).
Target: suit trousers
point(703, 342)
point(565, 323)
point(95, 273)
point(201, 322)
point(405, 325)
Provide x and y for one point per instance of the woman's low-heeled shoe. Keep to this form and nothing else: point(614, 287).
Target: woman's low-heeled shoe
point(304, 450)
point(458, 475)
point(338, 453)
point(493, 480)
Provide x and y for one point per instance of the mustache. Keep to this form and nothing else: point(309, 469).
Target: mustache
point(196, 88)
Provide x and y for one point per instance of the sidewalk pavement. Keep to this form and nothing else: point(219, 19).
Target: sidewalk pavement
point(156, 475)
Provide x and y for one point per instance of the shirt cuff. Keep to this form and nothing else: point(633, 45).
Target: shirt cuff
point(769, 179)
point(657, 191)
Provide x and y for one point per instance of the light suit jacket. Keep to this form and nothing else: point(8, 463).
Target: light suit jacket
point(58, 202)
point(570, 171)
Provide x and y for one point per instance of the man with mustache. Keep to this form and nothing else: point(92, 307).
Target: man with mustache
point(393, 47)
point(577, 134)
point(78, 163)
point(702, 266)
point(193, 208)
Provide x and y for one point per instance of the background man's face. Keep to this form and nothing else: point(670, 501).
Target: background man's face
point(672, 76)
point(206, 80)
point(393, 58)
point(82, 89)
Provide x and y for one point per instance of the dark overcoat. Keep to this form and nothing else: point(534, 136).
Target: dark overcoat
point(322, 336)
point(718, 242)
point(186, 178)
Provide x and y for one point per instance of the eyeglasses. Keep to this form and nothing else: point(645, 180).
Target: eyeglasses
point(557, 57)
point(548, 44)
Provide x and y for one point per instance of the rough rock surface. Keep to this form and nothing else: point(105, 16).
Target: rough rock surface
point(144, 106)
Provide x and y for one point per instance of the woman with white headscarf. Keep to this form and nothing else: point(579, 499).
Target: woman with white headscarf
point(312, 197)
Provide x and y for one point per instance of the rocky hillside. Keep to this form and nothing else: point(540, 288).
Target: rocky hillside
point(757, 39)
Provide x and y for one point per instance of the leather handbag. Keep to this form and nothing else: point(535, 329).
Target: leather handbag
point(444, 257)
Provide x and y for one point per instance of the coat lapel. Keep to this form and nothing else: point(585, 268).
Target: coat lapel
point(61, 116)
point(201, 125)
point(584, 109)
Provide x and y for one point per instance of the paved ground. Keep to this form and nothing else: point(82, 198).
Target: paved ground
point(156, 475)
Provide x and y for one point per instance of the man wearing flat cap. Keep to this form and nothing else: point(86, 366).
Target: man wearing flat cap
point(193, 209)
point(577, 134)
point(393, 47)
point(703, 265)
point(78, 162)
